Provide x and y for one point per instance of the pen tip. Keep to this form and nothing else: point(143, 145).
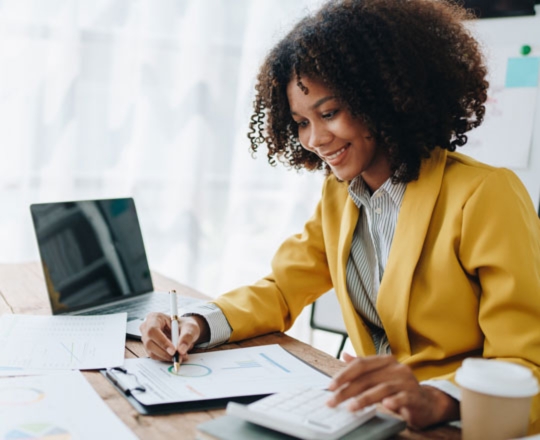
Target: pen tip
point(176, 367)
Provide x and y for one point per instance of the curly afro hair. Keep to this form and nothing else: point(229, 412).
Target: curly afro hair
point(408, 68)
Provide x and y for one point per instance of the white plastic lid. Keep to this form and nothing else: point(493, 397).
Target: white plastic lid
point(496, 378)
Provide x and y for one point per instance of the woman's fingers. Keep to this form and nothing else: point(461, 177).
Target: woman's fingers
point(358, 367)
point(156, 352)
point(189, 334)
point(155, 331)
point(366, 381)
point(374, 394)
point(382, 379)
point(348, 358)
point(370, 389)
point(156, 336)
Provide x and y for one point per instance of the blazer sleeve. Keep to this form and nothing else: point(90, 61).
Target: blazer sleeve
point(500, 246)
point(300, 274)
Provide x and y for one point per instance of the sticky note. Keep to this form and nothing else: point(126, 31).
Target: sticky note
point(522, 72)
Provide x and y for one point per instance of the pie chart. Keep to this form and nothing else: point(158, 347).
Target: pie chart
point(37, 431)
point(191, 370)
point(19, 396)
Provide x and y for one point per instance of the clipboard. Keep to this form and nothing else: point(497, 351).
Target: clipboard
point(212, 379)
point(127, 385)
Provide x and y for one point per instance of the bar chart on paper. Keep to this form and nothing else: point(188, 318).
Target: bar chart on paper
point(61, 342)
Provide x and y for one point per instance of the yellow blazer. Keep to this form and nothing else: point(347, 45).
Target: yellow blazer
point(462, 278)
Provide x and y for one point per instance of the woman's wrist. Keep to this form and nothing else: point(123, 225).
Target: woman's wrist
point(204, 329)
point(445, 407)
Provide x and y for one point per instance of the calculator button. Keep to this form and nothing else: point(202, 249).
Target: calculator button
point(319, 425)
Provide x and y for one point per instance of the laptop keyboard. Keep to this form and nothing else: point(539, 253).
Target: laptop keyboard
point(139, 309)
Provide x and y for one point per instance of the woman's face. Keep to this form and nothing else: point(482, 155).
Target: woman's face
point(327, 128)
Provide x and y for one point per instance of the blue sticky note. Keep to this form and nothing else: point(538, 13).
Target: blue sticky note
point(522, 72)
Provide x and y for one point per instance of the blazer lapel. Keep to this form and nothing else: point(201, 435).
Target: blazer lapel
point(358, 333)
point(411, 229)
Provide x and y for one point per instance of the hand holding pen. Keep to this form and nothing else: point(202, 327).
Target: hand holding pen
point(164, 336)
point(174, 329)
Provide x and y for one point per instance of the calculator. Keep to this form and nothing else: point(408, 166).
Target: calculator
point(302, 413)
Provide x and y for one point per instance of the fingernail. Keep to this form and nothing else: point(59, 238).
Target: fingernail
point(353, 406)
point(171, 351)
point(332, 386)
point(331, 402)
point(182, 348)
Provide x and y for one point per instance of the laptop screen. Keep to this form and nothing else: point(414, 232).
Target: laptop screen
point(92, 252)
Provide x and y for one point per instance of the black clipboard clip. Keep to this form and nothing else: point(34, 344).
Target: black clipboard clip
point(129, 386)
point(127, 382)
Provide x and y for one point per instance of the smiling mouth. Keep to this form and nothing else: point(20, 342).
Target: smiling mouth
point(337, 153)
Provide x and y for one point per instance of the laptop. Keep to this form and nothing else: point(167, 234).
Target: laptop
point(94, 261)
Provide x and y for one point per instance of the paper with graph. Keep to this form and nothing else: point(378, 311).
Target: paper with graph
point(62, 406)
point(61, 342)
point(239, 372)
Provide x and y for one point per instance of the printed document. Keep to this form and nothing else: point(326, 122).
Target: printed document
point(61, 342)
point(239, 372)
point(60, 406)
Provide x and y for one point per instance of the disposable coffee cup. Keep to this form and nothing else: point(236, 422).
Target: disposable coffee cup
point(496, 399)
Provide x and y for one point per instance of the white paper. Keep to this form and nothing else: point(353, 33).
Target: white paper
point(59, 406)
point(239, 372)
point(505, 137)
point(61, 342)
point(18, 371)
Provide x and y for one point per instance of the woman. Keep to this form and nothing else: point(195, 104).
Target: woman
point(434, 257)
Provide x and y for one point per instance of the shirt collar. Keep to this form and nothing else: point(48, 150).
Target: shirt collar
point(361, 196)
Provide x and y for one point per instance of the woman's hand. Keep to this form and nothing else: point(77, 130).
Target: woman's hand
point(156, 335)
point(375, 379)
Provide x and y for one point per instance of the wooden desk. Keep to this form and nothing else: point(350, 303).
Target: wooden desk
point(22, 290)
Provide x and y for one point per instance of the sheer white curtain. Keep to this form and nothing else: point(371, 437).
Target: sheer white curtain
point(150, 99)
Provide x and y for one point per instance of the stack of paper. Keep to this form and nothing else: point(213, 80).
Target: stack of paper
point(58, 406)
point(62, 405)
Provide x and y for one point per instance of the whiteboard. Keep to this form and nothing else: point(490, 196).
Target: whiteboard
point(495, 34)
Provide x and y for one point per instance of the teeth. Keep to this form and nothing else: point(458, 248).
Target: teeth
point(336, 154)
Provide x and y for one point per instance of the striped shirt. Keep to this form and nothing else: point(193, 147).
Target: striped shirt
point(370, 247)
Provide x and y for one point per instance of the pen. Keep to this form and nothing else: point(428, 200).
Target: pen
point(174, 329)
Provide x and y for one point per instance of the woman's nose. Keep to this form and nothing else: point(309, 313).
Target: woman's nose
point(319, 136)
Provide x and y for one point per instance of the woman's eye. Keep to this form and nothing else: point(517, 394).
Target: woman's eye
point(301, 124)
point(329, 115)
